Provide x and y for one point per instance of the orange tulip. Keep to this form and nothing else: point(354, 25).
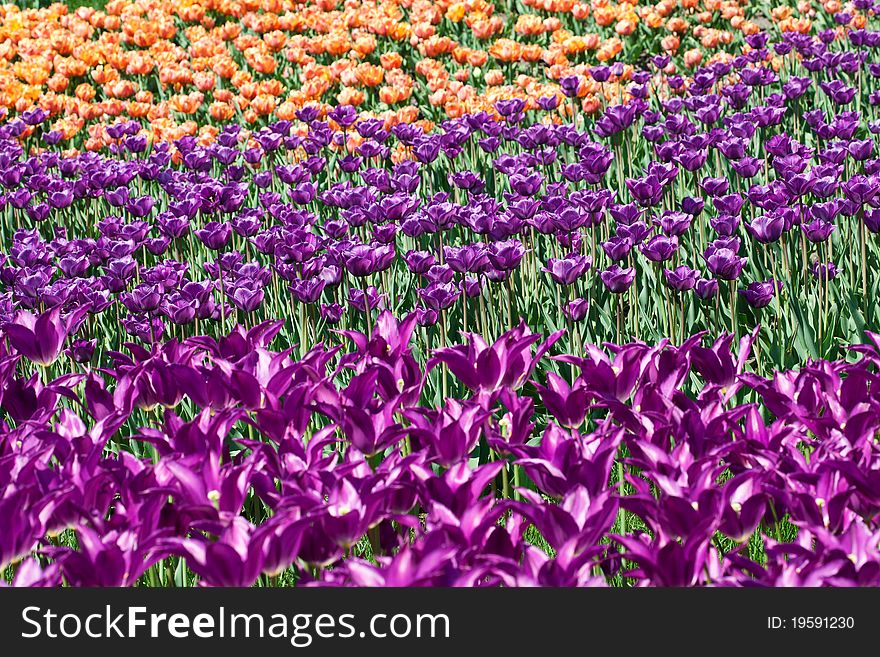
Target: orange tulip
point(249, 90)
point(204, 81)
point(85, 91)
point(349, 96)
point(93, 144)
point(456, 12)
point(653, 19)
point(483, 29)
point(264, 104)
point(670, 43)
point(780, 13)
point(137, 110)
point(831, 6)
point(57, 83)
point(221, 111)
point(532, 53)
point(120, 89)
point(625, 27)
point(529, 25)
point(677, 25)
point(477, 58)
point(710, 39)
point(424, 30)
point(605, 16)
point(494, 77)
point(693, 57)
point(590, 105)
point(186, 103)
point(390, 60)
point(389, 95)
point(363, 46)
point(804, 7)
point(581, 11)
point(454, 109)
point(260, 61)
point(369, 75)
point(275, 40)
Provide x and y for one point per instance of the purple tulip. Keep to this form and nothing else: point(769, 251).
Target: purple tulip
point(681, 278)
point(214, 235)
point(331, 313)
point(725, 225)
point(715, 187)
point(674, 223)
point(872, 220)
point(724, 263)
point(365, 259)
point(824, 271)
point(706, 288)
point(728, 204)
point(616, 279)
point(647, 191)
point(576, 310)
point(567, 270)
point(659, 248)
point(40, 338)
point(81, 351)
point(570, 85)
point(617, 248)
point(506, 255)
point(818, 230)
point(449, 434)
point(860, 189)
point(692, 205)
point(360, 299)
point(439, 296)
point(766, 228)
point(760, 293)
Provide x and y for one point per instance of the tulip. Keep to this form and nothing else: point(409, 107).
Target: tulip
point(567, 270)
point(439, 296)
point(724, 263)
point(692, 206)
point(759, 294)
point(818, 230)
point(40, 338)
point(706, 288)
point(660, 248)
point(824, 271)
point(674, 223)
point(646, 191)
point(82, 351)
point(451, 434)
point(766, 228)
point(214, 235)
point(570, 85)
point(617, 248)
point(617, 279)
point(681, 278)
point(576, 310)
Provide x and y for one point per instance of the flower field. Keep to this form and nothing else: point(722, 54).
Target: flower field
point(432, 293)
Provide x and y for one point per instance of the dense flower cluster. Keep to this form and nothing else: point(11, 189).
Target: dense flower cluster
point(182, 66)
point(252, 463)
point(425, 293)
point(485, 219)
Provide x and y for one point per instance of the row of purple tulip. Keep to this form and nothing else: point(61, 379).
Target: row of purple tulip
point(743, 189)
point(203, 379)
point(227, 462)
